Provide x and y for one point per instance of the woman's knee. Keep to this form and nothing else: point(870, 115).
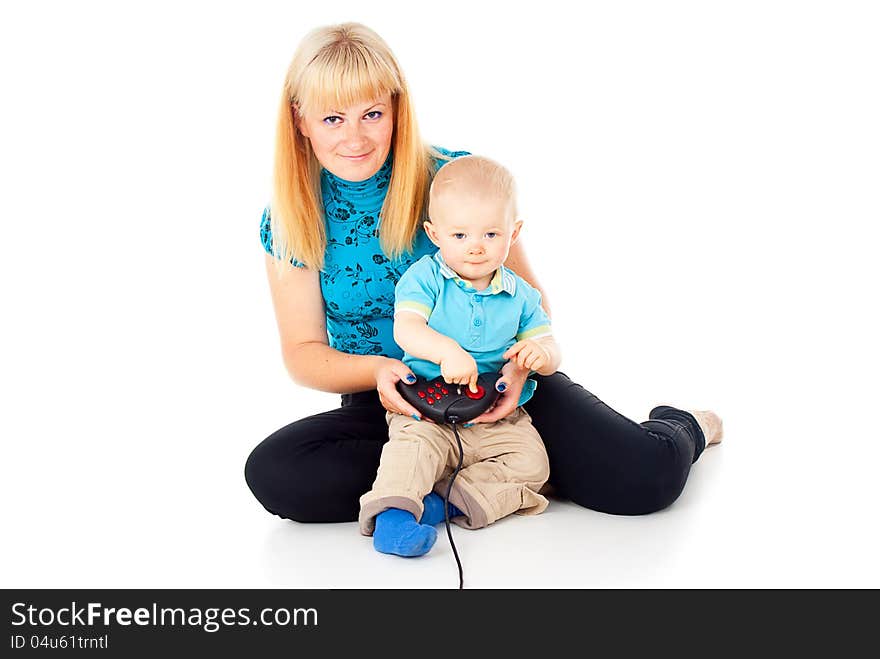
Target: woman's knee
point(309, 471)
point(632, 494)
point(275, 478)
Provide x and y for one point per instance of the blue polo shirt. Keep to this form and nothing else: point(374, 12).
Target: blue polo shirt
point(485, 323)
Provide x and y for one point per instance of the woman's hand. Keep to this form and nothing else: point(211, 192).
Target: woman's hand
point(510, 384)
point(388, 373)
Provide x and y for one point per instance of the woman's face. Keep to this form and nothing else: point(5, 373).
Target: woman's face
point(351, 142)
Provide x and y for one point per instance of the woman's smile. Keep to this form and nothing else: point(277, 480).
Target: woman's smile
point(362, 156)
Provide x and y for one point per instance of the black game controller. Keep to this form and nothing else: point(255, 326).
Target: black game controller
point(442, 402)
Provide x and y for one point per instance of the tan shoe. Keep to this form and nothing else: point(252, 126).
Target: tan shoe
point(711, 425)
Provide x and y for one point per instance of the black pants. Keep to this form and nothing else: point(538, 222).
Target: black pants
point(316, 469)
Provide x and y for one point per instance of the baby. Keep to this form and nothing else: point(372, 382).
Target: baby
point(459, 313)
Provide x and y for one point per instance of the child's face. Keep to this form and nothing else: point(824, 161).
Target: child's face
point(474, 235)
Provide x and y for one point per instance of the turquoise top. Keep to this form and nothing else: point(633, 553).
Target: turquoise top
point(484, 323)
point(358, 280)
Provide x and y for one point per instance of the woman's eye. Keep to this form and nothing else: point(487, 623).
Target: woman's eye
point(374, 114)
point(458, 236)
point(491, 235)
point(332, 120)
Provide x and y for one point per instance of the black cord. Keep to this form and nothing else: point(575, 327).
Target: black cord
point(454, 421)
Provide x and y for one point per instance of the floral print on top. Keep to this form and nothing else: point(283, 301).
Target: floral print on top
point(358, 280)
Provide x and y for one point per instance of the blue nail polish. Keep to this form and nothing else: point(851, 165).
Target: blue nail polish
point(416, 417)
point(468, 425)
point(410, 378)
point(501, 386)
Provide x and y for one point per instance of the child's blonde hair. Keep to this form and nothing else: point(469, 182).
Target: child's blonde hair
point(475, 176)
point(338, 66)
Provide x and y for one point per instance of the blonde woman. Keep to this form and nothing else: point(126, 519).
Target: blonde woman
point(350, 195)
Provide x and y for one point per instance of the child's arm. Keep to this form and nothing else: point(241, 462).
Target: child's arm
point(541, 355)
point(535, 348)
point(411, 332)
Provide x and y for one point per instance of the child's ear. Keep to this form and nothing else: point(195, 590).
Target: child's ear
point(515, 233)
point(431, 230)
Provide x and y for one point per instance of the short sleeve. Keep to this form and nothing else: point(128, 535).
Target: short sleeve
point(418, 289)
point(266, 237)
point(534, 321)
point(447, 156)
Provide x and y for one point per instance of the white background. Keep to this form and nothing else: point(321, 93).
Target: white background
point(699, 183)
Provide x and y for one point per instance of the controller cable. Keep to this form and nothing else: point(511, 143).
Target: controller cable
point(453, 419)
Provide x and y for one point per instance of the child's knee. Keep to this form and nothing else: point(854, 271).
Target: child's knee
point(541, 472)
point(529, 466)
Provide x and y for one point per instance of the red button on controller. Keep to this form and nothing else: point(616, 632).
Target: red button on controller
point(475, 395)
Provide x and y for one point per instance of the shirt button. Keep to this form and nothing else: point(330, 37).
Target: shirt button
point(478, 322)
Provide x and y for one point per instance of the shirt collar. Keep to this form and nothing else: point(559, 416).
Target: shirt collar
point(503, 280)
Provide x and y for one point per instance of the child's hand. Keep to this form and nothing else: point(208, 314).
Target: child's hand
point(529, 354)
point(458, 367)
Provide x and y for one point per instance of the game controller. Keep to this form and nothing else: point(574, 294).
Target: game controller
point(442, 402)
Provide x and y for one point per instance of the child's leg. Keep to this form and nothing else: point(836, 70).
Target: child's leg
point(412, 460)
point(434, 512)
point(511, 467)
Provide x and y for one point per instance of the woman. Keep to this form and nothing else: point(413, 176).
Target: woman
point(348, 153)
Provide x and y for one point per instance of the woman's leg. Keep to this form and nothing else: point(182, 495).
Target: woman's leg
point(316, 469)
point(602, 460)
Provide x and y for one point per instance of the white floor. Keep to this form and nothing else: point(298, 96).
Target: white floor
point(756, 512)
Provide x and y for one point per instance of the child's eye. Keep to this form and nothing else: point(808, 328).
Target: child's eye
point(491, 235)
point(458, 236)
point(332, 120)
point(373, 114)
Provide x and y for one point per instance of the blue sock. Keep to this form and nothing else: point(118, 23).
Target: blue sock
point(397, 532)
point(434, 513)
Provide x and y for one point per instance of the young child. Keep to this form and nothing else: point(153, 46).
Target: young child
point(457, 314)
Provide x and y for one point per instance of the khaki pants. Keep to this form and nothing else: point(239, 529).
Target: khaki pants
point(505, 464)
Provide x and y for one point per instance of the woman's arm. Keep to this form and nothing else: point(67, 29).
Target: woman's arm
point(311, 362)
point(299, 312)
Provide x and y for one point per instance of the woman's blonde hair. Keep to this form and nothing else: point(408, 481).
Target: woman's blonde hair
point(338, 66)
